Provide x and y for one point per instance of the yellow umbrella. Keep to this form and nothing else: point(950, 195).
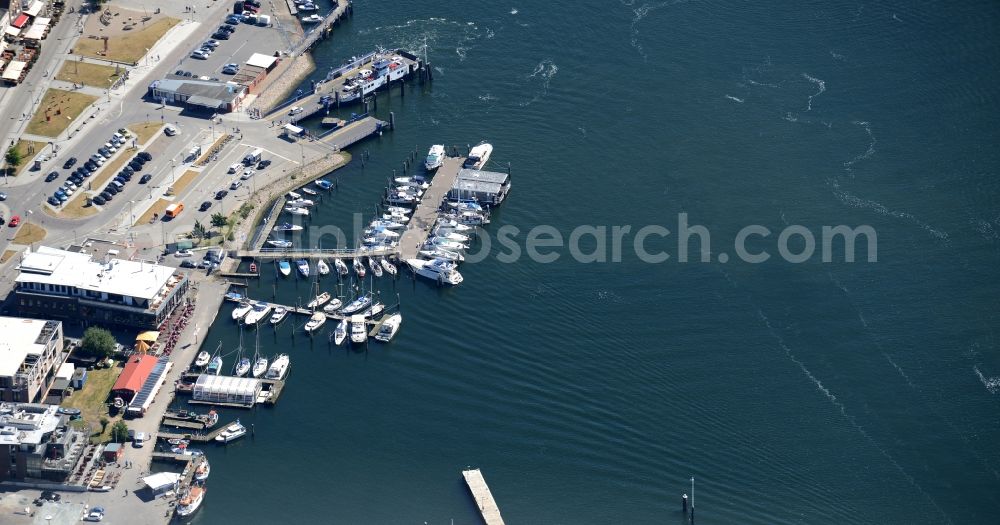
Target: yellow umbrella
point(149, 337)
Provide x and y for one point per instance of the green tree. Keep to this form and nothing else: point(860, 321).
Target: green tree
point(199, 231)
point(13, 158)
point(219, 220)
point(97, 342)
point(119, 432)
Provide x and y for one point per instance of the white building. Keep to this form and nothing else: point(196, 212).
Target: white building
point(70, 285)
point(29, 351)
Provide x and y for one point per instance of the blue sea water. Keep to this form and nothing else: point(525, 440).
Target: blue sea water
point(810, 392)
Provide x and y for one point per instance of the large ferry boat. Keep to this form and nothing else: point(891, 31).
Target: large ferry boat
point(385, 68)
point(190, 501)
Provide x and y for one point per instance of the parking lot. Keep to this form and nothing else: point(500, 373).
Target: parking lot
point(244, 42)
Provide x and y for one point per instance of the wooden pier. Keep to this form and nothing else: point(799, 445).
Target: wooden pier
point(171, 456)
point(314, 253)
point(484, 498)
point(182, 423)
point(199, 437)
point(426, 214)
point(353, 132)
point(309, 311)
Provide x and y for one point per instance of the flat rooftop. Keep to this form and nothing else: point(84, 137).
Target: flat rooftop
point(21, 338)
point(142, 280)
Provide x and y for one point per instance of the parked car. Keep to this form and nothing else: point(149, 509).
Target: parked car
point(67, 184)
point(183, 253)
point(218, 35)
point(188, 263)
point(199, 54)
point(110, 147)
point(98, 200)
point(69, 163)
point(62, 197)
point(96, 514)
point(231, 69)
point(135, 165)
point(235, 185)
point(188, 73)
point(97, 159)
point(53, 201)
point(263, 164)
point(221, 194)
point(295, 110)
point(14, 221)
point(106, 196)
point(169, 130)
point(145, 156)
point(205, 205)
point(247, 173)
point(3, 196)
point(110, 188)
point(211, 43)
point(145, 178)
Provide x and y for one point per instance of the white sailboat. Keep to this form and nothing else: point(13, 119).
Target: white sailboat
point(259, 367)
point(341, 267)
point(322, 267)
point(359, 267)
point(375, 266)
point(319, 300)
point(315, 322)
point(355, 306)
point(388, 266)
point(332, 307)
point(242, 367)
point(341, 332)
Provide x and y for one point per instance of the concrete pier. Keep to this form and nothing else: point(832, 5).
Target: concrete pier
point(424, 217)
point(484, 498)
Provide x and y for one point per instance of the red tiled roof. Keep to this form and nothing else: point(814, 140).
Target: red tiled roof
point(20, 20)
point(136, 371)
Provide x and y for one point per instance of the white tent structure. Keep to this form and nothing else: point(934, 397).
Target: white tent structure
point(162, 482)
point(226, 389)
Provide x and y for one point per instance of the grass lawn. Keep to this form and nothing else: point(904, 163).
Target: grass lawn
point(29, 233)
point(128, 47)
point(22, 148)
point(91, 400)
point(77, 206)
point(7, 254)
point(62, 108)
point(158, 207)
point(144, 130)
point(96, 75)
point(180, 184)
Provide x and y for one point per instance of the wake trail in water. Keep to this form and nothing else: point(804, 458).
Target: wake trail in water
point(858, 202)
point(843, 411)
point(820, 84)
point(735, 99)
point(639, 12)
point(849, 165)
point(543, 72)
point(992, 384)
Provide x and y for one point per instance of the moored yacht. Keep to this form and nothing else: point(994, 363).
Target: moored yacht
point(388, 266)
point(257, 313)
point(389, 328)
point(203, 470)
point(341, 267)
point(287, 227)
point(242, 310)
point(333, 306)
point(359, 330)
point(434, 157)
point(341, 332)
point(279, 367)
point(279, 315)
point(322, 267)
point(303, 267)
point(441, 270)
point(280, 243)
point(242, 367)
point(232, 432)
point(259, 367)
point(359, 267)
point(214, 366)
point(478, 156)
point(319, 300)
point(315, 322)
point(355, 306)
point(284, 268)
point(296, 210)
point(202, 359)
point(190, 501)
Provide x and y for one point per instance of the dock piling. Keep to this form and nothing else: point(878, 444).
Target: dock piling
point(392, 120)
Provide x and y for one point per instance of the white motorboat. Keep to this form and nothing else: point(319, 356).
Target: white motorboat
point(435, 157)
point(359, 329)
point(441, 253)
point(322, 267)
point(204, 469)
point(312, 19)
point(465, 206)
point(395, 217)
point(287, 227)
point(359, 267)
point(452, 224)
point(375, 266)
point(400, 197)
point(355, 306)
point(190, 501)
point(307, 6)
point(258, 313)
point(441, 270)
point(341, 267)
point(309, 191)
point(332, 307)
point(314, 323)
point(478, 156)
point(386, 224)
point(340, 333)
point(279, 243)
point(214, 366)
point(438, 242)
point(292, 196)
point(284, 268)
point(295, 210)
point(412, 181)
point(323, 184)
point(279, 367)
point(388, 266)
point(301, 203)
point(303, 267)
point(242, 367)
point(202, 359)
point(259, 367)
point(389, 328)
point(447, 234)
point(279, 315)
point(319, 300)
point(232, 432)
point(241, 310)
point(468, 217)
point(398, 210)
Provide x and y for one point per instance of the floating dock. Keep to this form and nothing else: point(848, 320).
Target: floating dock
point(353, 132)
point(199, 437)
point(484, 498)
point(426, 214)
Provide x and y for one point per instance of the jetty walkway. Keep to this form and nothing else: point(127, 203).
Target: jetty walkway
point(426, 214)
point(484, 498)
